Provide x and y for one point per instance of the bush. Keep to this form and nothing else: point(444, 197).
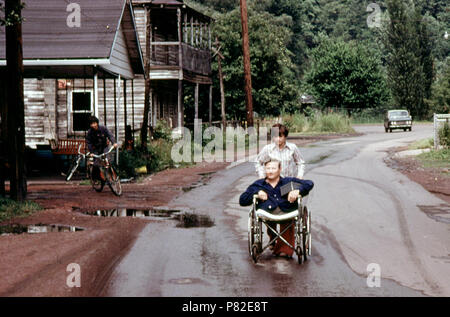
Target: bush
point(296, 123)
point(156, 157)
point(444, 135)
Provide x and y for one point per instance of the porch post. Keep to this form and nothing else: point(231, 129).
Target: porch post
point(95, 92)
point(104, 100)
point(125, 110)
point(196, 100)
point(192, 31)
point(132, 105)
point(210, 104)
point(117, 122)
point(180, 77)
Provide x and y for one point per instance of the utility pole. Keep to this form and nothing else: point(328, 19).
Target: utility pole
point(247, 72)
point(147, 101)
point(222, 88)
point(15, 107)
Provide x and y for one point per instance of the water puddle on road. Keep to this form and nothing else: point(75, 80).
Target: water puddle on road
point(440, 213)
point(39, 228)
point(185, 218)
point(205, 178)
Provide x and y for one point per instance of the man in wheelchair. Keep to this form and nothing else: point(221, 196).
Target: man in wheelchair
point(274, 198)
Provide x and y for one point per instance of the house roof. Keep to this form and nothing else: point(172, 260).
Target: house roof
point(49, 40)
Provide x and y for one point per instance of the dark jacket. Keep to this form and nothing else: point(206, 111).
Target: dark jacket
point(97, 139)
point(274, 194)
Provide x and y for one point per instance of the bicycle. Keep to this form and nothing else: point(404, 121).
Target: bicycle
point(75, 163)
point(111, 176)
point(97, 183)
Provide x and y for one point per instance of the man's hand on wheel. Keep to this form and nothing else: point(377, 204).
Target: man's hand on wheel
point(293, 195)
point(262, 195)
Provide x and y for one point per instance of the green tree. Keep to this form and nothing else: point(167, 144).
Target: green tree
point(405, 59)
point(273, 77)
point(440, 100)
point(346, 75)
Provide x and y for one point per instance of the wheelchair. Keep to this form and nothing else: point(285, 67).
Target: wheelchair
point(300, 219)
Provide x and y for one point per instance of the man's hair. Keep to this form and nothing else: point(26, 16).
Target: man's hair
point(273, 161)
point(93, 119)
point(282, 129)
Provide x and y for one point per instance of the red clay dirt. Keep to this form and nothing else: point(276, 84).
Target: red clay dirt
point(435, 180)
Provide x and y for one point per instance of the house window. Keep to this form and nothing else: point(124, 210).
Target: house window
point(82, 109)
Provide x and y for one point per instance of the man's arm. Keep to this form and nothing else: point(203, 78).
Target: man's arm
point(110, 136)
point(246, 199)
point(298, 159)
point(305, 185)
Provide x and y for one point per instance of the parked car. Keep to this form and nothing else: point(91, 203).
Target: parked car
point(397, 119)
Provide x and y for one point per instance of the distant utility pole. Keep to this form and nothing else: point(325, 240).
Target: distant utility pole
point(15, 108)
point(247, 72)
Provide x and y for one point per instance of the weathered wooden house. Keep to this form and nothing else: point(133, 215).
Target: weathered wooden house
point(88, 58)
point(177, 40)
point(78, 61)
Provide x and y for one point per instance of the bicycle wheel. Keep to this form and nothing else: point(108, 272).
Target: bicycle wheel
point(113, 180)
point(73, 168)
point(96, 183)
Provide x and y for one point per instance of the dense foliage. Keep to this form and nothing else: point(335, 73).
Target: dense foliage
point(346, 75)
point(407, 44)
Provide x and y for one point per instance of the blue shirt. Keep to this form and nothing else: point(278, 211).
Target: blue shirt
point(274, 194)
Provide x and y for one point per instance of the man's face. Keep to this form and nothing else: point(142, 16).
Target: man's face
point(280, 140)
point(272, 170)
point(94, 125)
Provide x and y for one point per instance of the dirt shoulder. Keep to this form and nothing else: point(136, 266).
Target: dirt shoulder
point(435, 180)
point(36, 264)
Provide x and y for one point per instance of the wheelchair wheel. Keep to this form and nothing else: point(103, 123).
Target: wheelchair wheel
point(306, 241)
point(299, 253)
point(255, 253)
point(299, 240)
point(251, 236)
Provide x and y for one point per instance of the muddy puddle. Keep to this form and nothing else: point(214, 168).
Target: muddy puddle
point(205, 178)
point(33, 229)
point(185, 218)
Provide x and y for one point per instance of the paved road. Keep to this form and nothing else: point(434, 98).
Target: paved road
point(363, 212)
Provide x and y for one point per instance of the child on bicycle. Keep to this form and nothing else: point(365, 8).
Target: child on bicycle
point(97, 141)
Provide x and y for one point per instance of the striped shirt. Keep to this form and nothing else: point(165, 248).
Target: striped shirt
point(292, 162)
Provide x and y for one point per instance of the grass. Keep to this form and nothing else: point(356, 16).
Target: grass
point(436, 159)
point(318, 123)
point(10, 209)
point(422, 144)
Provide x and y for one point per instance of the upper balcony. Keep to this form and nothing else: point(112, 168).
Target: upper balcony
point(180, 40)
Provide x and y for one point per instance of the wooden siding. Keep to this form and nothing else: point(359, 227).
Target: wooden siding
point(46, 108)
point(120, 59)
